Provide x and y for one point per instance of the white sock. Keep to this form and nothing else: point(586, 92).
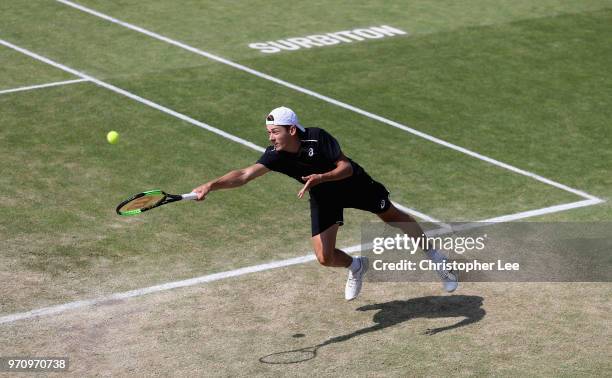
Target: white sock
point(355, 264)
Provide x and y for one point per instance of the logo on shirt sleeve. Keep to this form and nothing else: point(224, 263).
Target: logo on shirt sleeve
point(310, 152)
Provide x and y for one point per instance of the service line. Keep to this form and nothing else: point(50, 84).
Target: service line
point(54, 84)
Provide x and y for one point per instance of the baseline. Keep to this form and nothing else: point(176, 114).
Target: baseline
point(111, 298)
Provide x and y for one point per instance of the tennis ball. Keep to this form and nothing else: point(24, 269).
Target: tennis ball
point(112, 137)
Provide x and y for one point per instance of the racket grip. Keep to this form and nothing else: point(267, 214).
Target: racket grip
point(190, 196)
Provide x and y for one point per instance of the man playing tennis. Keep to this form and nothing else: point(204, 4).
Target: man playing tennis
point(334, 182)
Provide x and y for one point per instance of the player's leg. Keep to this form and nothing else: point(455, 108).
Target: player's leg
point(328, 255)
point(374, 197)
point(404, 221)
point(397, 218)
point(325, 249)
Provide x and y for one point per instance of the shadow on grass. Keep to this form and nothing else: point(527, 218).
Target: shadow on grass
point(391, 313)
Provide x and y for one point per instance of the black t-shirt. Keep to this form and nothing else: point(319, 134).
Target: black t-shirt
point(318, 153)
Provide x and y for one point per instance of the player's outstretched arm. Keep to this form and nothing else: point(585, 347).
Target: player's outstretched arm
point(231, 179)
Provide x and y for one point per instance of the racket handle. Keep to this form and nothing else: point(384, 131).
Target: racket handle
point(190, 196)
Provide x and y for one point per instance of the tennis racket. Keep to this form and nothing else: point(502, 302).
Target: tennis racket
point(150, 199)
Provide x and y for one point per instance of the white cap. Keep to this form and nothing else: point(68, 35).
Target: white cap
point(283, 117)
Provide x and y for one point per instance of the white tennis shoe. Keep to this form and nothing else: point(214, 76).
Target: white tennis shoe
point(355, 280)
point(450, 281)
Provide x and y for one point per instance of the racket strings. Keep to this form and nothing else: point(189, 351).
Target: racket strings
point(142, 203)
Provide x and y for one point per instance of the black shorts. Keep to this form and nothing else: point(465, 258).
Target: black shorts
point(327, 203)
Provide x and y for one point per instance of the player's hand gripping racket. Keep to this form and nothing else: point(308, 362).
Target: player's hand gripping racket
point(149, 200)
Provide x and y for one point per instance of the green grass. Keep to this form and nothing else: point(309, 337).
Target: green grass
point(528, 84)
point(212, 27)
point(23, 71)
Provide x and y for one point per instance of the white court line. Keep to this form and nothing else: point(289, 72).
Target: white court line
point(154, 289)
point(54, 84)
point(267, 266)
point(516, 216)
point(164, 109)
point(418, 214)
point(542, 211)
point(163, 287)
point(330, 100)
point(133, 96)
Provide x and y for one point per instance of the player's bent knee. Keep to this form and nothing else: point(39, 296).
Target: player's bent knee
point(325, 257)
point(323, 261)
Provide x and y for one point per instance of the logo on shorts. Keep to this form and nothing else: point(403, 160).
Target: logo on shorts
point(382, 204)
point(310, 152)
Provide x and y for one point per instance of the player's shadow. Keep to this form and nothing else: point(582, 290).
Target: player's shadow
point(467, 307)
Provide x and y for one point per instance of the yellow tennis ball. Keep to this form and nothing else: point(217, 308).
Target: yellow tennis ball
point(112, 137)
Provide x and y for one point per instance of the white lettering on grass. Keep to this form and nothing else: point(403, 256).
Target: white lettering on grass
point(329, 39)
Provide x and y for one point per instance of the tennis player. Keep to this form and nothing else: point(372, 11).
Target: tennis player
point(334, 182)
